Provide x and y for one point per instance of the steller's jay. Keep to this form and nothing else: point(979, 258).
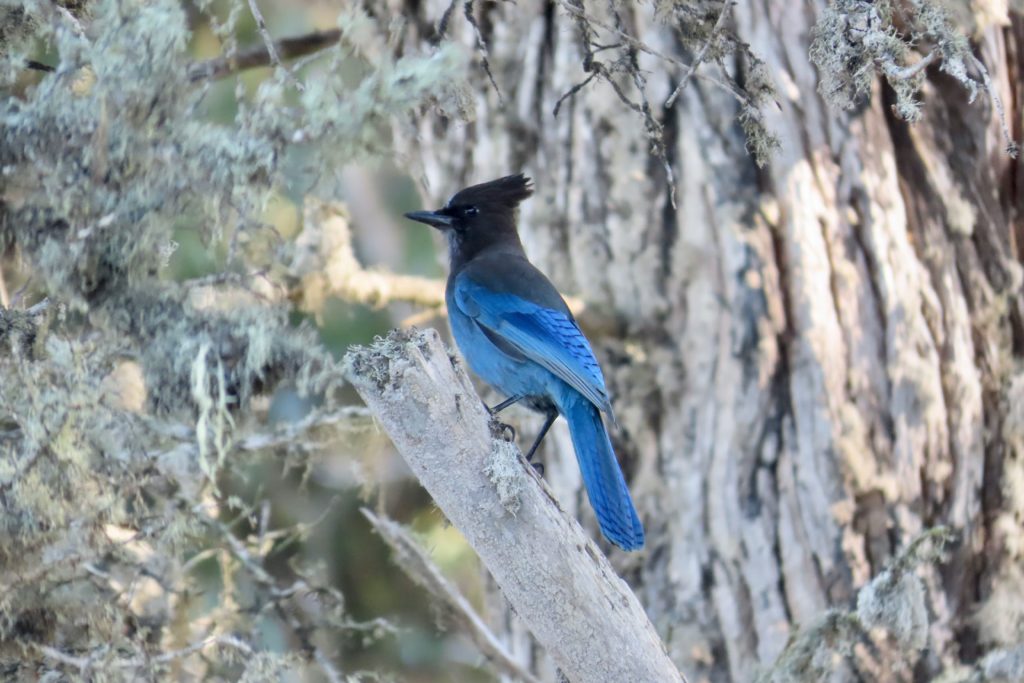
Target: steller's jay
point(517, 334)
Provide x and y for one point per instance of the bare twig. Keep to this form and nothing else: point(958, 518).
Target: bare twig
point(606, 74)
point(258, 55)
point(736, 92)
point(38, 66)
point(927, 546)
point(571, 92)
point(699, 58)
point(418, 565)
point(261, 26)
point(221, 640)
point(553, 575)
point(897, 73)
point(83, 664)
point(481, 46)
point(442, 26)
point(76, 25)
point(80, 663)
point(1012, 149)
point(39, 308)
point(638, 44)
point(655, 131)
point(629, 64)
point(296, 618)
point(293, 432)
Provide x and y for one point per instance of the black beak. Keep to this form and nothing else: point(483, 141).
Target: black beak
point(431, 218)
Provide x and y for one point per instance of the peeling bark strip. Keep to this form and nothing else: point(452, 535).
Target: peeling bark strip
point(556, 579)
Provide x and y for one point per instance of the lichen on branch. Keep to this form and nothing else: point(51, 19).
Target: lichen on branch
point(856, 39)
point(134, 407)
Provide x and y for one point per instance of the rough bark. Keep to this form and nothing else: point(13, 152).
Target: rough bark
point(813, 361)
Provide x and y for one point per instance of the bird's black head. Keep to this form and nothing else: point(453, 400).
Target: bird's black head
point(481, 214)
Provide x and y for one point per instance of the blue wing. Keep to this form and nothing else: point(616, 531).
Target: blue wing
point(546, 336)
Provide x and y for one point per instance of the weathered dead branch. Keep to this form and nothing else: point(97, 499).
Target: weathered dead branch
point(556, 579)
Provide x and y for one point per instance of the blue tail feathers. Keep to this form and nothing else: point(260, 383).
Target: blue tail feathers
point(605, 484)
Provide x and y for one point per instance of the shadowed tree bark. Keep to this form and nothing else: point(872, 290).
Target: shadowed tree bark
point(811, 361)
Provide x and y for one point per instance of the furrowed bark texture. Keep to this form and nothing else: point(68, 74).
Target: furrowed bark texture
point(559, 583)
point(813, 361)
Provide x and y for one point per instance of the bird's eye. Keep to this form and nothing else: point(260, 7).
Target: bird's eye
point(471, 211)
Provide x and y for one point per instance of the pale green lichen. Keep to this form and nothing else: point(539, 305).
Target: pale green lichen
point(849, 42)
point(892, 603)
point(505, 472)
point(107, 491)
point(856, 39)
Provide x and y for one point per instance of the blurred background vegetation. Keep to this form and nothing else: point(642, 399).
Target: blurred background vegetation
point(294, 500)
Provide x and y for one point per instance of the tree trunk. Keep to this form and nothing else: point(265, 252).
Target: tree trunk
point(811, 362)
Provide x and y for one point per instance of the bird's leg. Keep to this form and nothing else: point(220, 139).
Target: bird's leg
point(500, 407)
point(505, 404)
point(549, 419)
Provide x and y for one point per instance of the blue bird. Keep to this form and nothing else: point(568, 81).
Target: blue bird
point(517, 334)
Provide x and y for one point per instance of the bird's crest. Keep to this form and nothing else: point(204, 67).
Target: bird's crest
point(506, 192)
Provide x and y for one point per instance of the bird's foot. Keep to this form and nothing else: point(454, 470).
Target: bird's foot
point(504, 404)
point(508, 432)
point(503, 431)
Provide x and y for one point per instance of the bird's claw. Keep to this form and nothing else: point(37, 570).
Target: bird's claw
point(503, 431)
point(538, 467)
